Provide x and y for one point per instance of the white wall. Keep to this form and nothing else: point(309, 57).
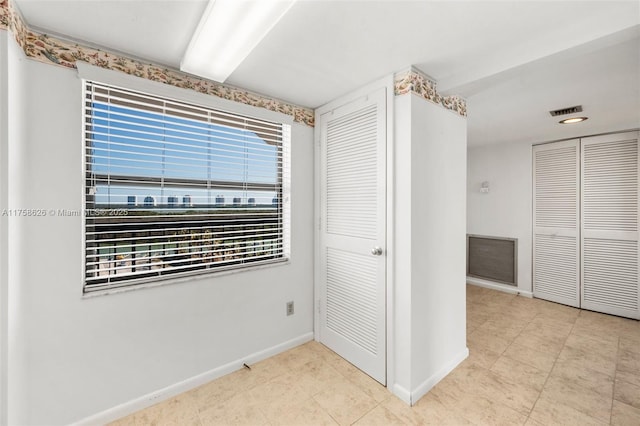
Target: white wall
point(438, 242)
point(505, 211)
point(402, 248)
point(4, 227)
point(13, 297)
point(430, 183)
point(86, 355)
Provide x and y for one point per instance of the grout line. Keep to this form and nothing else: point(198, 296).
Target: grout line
point(615, 377)
point(555, 361)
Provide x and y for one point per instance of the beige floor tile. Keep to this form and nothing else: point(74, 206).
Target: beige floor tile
point(630, 329)
point(628, 367)
point(576, 396)
point(517, 311)
point(297, 356)
point(588, 360)
point(531, 362)
point(221, 389)
point(543, 341)
point(629, 362)
point(541, 360)
point(522, 308)
point(342, 366)
point(526, 303)
point(324, 353)
point(475, 289)
point(432, 410)
point(506, 329)
point(486, 340)
point(481, 382)
point(627, 393)
point(624, 415)
point(603, 324)
point(477, 317)
point(471, 328)
point(519, 396)
point(485, 308)
point(369, 386)
point(408, 415)
point(559, 312)
point(552, 412)
point(482, 411)
point(453, 419)
point(315, 376)
point(379, 416)
point(180, 410)
point(308, 413)
point(264, 371)
point(606, 335)
point(532, 422)
point(442, 398)
point(628, 377)
point(125, 421)
point(276, 396)
point(345, 402)
point(555, 332)
point(516, 371)
point(630, 343)
point(550, 322)
point(482, 357)
point(237, 410)
point(605, 320)
point(603, 348)
point(589, 379)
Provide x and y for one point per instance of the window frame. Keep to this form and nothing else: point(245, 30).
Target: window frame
point(178, 95)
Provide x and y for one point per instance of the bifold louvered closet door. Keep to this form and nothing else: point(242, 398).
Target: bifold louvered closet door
point(556, 214)
point(586, 223)
point(610, 224)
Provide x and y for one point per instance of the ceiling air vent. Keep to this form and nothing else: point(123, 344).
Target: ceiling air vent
point(565, 111)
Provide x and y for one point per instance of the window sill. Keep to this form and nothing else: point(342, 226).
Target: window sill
point(184, 279)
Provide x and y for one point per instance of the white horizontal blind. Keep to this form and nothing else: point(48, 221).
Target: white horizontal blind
point(177, 189)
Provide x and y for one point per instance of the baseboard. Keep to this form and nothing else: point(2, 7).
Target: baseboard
point(500, 287)
point(426, 386)
point(153, 398)
point(401, 393)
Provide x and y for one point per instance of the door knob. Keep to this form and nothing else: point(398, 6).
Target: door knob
point(376, 251)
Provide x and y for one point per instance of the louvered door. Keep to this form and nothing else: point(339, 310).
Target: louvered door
point(352, 234)
point(556, 263)
point(610, 224)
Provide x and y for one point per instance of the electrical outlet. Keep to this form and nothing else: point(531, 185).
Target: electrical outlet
point(289, 308)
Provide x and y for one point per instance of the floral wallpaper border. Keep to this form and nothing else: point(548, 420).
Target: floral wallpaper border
point(416, 82)
point(50, 50)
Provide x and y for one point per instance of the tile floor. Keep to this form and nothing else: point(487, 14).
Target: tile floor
point(531, 362)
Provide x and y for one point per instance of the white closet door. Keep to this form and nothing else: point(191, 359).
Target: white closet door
point(610, 224)
point(353, 232)
point(556, 262)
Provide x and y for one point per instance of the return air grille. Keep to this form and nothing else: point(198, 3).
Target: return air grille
point(492, 258)
point(565, 111)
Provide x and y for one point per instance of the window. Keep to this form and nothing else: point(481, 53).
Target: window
point(175, 189)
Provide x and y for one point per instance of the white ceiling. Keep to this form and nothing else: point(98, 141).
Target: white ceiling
point(513, 60)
